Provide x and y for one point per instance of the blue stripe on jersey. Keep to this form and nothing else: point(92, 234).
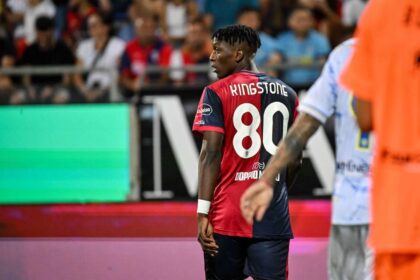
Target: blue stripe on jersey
point(212, 113)
point(276, 219)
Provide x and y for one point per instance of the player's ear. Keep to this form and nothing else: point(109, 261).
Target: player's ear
point(239, 55)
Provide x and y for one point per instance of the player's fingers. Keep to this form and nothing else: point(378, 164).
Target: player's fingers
point(260, 211)
point(248, 212)
point(208, 248)
point(209, 245)
point(207, 239)
point(248, 215)
point(209, 230)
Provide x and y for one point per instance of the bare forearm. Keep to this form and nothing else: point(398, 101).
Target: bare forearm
point(209, 169)
point(209, 164)
point(293, 170)
point(291, 147)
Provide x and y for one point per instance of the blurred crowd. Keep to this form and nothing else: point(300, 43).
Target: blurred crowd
point(129, 36)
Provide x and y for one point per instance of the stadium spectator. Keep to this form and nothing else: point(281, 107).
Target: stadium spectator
point(351, 11)
point(76, 21)
point(326, 16)
point(267, 54)
point(35, 9)
point(219, 13)
point(7, 60)
point(274, 15)
point(101, 50)
point(140, 8)
point(119, 10)
point(104, 6)
point(46, 51)
point(195, 50)
point(13, 13)
point(177, 13)
point(302, 45)
point(146, 49)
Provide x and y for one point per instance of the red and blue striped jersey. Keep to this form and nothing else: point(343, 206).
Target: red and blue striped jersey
point(253, 111)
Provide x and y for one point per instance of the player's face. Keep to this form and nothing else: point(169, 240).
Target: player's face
point(222, 59)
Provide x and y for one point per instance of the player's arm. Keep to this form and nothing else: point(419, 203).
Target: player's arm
point(292, 171)
point(364, 114)
point(257, 198)
point(208, 172)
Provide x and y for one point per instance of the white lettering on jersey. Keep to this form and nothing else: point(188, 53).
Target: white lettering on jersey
point(257, 88)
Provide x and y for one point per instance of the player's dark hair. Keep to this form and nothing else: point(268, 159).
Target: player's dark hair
point(237, 34)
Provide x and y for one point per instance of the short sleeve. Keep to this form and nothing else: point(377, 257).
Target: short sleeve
point(357, 75)
point(321, 97)
point(209, 116)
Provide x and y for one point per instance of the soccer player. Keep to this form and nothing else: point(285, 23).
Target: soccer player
point(349, 258)
point(241, 118)
point(384, 73)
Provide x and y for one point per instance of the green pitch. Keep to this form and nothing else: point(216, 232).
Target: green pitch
point(56, 154)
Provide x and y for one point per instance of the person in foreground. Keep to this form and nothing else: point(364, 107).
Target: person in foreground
point(384, 73)
point(349, 257)
point(241, 117)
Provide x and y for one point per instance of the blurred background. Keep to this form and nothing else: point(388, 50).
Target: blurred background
point(98, 165)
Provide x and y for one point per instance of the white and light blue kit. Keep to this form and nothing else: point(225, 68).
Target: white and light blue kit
point(354, 149)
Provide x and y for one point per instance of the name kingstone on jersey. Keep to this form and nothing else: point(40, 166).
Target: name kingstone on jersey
point(258, 88)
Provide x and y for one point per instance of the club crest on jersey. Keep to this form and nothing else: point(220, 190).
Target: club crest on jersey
point(205, 110)
point(258, 166)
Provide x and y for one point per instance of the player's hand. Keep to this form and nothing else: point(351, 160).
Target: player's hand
point(205, 235)
point(255, 201)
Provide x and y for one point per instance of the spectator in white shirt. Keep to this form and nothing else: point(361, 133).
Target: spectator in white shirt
point(101, 50)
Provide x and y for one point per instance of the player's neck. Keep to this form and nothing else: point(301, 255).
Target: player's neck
point(246, 65)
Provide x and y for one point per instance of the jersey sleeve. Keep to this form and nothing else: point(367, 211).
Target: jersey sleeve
point(209, 116)
point(356, 75)
point(321, 97)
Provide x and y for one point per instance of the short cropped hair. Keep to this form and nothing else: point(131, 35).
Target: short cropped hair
point(237, 34)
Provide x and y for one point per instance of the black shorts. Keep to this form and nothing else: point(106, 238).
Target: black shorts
point(240, 257)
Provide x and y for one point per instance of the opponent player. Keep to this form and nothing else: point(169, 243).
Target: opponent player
point(385, 75)
point(241, 117)
point(349, 257)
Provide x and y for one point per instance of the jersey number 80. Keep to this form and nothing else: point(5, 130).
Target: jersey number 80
point(244, 130)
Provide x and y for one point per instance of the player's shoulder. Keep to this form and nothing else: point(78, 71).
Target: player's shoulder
point(342, 50)
point(290, 91)
point(220, 85)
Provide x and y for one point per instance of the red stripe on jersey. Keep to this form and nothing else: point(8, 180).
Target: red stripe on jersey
point(209, 128)
point(225, 214)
